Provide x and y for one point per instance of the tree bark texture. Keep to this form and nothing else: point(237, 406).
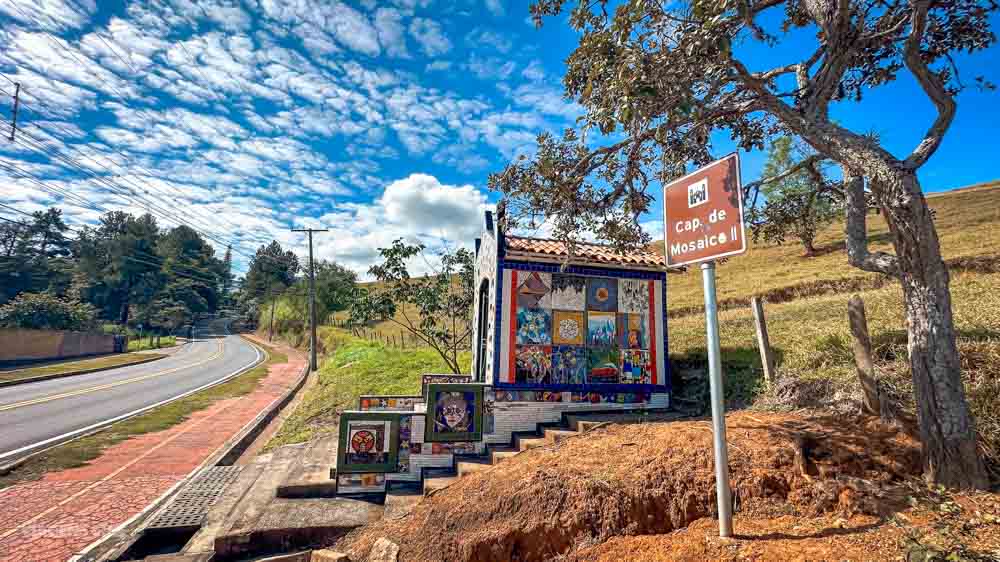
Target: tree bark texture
point(862, 346)
point(947, 428)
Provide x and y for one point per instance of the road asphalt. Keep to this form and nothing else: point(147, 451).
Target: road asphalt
point(36, 414)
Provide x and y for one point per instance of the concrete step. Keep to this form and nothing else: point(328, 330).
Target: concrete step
point(556, 435)
point(497, 456)
point(466, 468)
point(252, 521)
point(434, 484)
point(399, 504)
point(310, 477)
point(523, 444)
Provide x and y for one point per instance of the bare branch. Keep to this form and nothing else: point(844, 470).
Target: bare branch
point(856, 231)
point(932, 86)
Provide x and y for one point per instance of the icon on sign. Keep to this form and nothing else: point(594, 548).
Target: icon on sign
point(698, 193)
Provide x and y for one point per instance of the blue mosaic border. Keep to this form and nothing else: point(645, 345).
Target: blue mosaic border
point(578, 270)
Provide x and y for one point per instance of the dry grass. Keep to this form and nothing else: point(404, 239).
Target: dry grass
point(967, 223)
point(810, 333)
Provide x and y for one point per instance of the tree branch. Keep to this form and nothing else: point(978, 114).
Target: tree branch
point(932, 86)
point(856, 230)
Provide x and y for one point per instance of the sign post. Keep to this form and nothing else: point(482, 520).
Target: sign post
point(703, 212)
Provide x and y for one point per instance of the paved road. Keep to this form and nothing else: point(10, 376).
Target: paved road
point(49, 411)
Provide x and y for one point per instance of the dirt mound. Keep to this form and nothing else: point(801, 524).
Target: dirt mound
point(650, 479)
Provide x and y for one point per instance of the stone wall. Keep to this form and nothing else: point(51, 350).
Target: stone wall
point(20, 345)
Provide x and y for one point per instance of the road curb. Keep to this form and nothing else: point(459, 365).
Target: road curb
point(79, 372)
point(118, 540)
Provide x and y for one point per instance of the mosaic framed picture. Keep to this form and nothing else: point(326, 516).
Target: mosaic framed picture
point(369, 442)
point(454, 413)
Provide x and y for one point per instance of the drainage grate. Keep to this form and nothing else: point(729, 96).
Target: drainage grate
point(191, 504)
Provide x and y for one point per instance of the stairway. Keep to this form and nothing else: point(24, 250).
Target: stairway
point(574, 423)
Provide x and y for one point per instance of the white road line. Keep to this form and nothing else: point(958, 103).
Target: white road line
point(71, 434)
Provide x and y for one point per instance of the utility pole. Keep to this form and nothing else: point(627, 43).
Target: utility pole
point(13, 120)
point(312, 297)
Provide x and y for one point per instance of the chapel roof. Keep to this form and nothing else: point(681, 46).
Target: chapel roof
point(527, 247)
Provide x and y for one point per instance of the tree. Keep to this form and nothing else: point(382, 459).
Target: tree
point(272, 270)
point(35, 256)
point(662, 77)
point(334, 286)
point(45, 311)
point(797, 204)
point(436, 308)
point(227, 279)
point(119, 262)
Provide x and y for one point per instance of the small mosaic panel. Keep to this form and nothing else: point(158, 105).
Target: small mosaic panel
point(602, 294)
point(369, 442)
point(403, 458)
point(636, 367)
point(568, 327)
point(454, 412)
point(389, 402)
point(569, 292)
point(533, 364)
point(601, 328)
point(633, 296)
point(533, 290)
point(534, 326)
point(428, 379)
point(632, 331)
point(569, 365)
point(603, 364)
point(530, 396)
point(360, 483)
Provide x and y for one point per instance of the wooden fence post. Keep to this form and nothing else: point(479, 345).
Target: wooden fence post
point(862, 345)
point(763, 343)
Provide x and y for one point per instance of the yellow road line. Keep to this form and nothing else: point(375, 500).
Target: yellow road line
point(97, 388)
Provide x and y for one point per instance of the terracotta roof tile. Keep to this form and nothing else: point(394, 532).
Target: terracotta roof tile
point(590, 252)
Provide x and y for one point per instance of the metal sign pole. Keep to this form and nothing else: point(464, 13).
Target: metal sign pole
point(723, 492)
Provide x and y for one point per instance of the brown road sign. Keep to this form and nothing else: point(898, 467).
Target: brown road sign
point(703, 214)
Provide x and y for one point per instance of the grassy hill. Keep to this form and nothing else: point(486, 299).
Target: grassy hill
point(808, 323)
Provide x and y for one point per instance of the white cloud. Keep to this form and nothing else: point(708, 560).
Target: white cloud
point(416, 208)
point(534, 71)
point(479, 37)
point(438, 65)
point(495, 7)
point(429, 35)
point(391, 32)
point(492, 68)
point(50, 15)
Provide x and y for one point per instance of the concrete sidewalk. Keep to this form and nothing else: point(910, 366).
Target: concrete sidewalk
point(53, 518)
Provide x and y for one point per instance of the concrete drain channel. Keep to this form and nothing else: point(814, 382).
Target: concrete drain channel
point(180, 519)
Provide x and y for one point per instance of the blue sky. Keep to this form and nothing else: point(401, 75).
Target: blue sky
point(247, 118)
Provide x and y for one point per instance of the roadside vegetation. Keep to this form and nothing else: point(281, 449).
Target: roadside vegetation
point(154, 342)
point(354, 367)
point(77, 366)
point(80, 451)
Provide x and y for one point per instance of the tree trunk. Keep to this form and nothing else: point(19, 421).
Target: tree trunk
point(810, 249)
point(947, 428)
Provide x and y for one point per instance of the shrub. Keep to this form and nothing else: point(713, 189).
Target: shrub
point(46, 311)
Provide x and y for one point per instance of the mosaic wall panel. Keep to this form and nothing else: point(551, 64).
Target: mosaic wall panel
point(454, 413)
point(486, 271)
point(369, 442)
point(574, 330)
point(534, 326)
point(568, 327)
point(534, 364)
point(569, 292)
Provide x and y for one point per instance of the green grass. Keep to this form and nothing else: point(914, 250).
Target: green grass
point(150, 343)
point(80, 451)
point(90, 365)
point(355, 367)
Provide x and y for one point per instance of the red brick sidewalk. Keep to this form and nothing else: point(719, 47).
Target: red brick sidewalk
point(54, 518)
